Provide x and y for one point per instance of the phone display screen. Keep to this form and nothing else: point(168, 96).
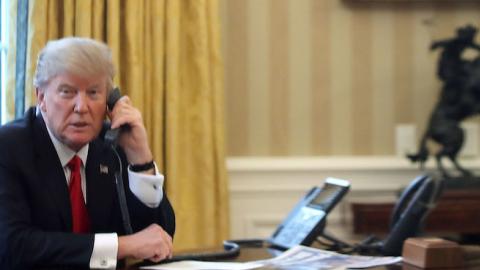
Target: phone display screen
point(325, 198)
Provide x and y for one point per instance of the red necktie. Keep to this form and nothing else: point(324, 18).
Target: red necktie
point(81, 222)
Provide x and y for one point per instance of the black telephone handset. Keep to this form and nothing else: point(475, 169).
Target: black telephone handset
point(111, 137)
point(408, 215)
point(405, 198)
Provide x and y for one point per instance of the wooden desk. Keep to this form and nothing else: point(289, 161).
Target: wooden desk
point(251, 254)
point(458, 211)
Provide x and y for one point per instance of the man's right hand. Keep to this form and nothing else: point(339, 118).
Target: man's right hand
point(151, 243)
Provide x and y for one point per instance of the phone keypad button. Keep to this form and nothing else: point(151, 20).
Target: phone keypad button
point(295, 231)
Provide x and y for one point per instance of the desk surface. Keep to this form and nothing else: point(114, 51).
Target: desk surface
point(251, 253)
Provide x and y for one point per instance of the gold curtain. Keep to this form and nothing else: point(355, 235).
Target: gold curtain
point(167, 54)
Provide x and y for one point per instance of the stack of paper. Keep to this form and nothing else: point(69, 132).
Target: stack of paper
point(298, 257)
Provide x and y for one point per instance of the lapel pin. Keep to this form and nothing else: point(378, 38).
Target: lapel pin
point(103, 169)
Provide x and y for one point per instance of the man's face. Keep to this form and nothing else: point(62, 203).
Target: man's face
point(74, 108)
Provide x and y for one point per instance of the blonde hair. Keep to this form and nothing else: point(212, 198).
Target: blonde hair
point(84, 57)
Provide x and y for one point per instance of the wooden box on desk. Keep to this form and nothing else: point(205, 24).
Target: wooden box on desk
point(432, 253)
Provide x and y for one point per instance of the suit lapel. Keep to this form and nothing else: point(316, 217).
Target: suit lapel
point(51, 171)
point(99, 172)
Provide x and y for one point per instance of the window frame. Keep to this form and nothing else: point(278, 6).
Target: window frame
point(3, 58)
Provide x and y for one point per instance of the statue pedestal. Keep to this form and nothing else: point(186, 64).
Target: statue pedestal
point(460, 182)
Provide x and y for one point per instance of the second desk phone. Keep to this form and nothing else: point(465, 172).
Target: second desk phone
point(301, 227)
point(307, 220)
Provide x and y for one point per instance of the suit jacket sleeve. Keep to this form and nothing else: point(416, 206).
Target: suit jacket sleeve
point(29, 238)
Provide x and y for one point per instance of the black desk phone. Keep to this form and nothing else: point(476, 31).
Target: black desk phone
point(301, 227)
point(307, 220)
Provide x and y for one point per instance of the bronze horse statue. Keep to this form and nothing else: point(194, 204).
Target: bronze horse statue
point(459, 99)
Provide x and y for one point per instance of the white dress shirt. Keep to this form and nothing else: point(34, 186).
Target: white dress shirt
point(147, 188)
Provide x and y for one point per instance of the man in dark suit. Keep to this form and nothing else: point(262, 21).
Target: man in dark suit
point(58, 200)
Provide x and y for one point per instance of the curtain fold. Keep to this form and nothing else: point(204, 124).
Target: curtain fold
point(167, 54)
point(195, 119)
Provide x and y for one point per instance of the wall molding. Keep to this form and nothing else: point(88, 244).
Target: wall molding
point(292, 163)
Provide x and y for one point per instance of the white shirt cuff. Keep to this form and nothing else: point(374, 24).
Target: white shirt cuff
point(147, 188)
point(105, 249)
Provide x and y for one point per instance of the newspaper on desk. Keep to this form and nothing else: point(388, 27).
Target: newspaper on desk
point(301, 257)
point(298, 257)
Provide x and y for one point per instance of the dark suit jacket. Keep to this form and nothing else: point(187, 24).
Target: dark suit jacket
point(35, 215)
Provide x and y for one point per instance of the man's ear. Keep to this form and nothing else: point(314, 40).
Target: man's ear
point(40, 98)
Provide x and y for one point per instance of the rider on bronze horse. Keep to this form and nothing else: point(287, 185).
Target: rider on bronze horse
point(459, 99)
